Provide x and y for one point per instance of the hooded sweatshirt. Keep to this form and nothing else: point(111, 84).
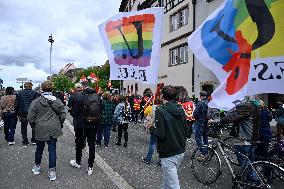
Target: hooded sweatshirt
point(170, 129)
point(47, 123)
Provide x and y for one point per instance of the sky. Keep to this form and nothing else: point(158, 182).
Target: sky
point(25, 26)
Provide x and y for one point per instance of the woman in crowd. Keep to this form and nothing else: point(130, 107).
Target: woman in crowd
point(47, 114)
point(121, 117)
point(8, 114)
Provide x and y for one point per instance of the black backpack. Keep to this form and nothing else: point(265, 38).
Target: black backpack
point(92, 109)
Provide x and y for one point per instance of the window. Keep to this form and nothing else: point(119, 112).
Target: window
point(170, 4)
point(184, 17)
point(129, 5)
point(179, 19)
point(178, 55)
point(174, 22)
point(174, 57)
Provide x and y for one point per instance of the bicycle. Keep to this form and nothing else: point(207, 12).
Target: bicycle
point(259, 174)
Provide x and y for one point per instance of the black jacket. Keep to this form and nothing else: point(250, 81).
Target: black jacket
point(76, 103)
point(170, 129)
point(24, 100)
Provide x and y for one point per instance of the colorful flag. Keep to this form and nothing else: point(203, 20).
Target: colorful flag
point(133, 41)
point(242, 43)
point(83, 79)
point(93, 78)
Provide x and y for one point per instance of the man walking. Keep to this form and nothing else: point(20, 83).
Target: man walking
point(86, 110)
point(170, 130)
point(22, 104)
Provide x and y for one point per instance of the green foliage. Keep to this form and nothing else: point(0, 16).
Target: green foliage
point(62, 83)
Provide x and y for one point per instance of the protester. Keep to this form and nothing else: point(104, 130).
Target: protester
point(47, 114)
point(8, 114)
point(86, 111)
point(115, 100)
point(136, 107)
point(247, 115)
point(170, 130)
point(131, 103)
point(59, 95)
point(265, 134)
point(188, 107)
point(106, 120)
point(149, 113)
point(121, 117)
point(279, 118)
point(147, 94)
point(149, 122)
point(200, 125)
point(23, 101)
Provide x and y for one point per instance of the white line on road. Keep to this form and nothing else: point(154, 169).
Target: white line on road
point(114, 176)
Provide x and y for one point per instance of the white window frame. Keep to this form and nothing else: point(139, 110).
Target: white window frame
point(179, 19)
point(184, 16)
point(178, 55)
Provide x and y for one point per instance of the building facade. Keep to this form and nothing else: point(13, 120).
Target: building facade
point(178, 65)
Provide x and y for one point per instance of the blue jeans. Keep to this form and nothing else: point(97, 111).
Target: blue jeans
point(201, 137)
point(10, 122)
point(152, 147)
point(104, 130)
point(51, 151)
point(169, 167)
point(249, 151)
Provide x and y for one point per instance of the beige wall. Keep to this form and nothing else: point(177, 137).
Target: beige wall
point(181, 75)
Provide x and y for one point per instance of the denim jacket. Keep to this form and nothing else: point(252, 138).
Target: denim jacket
point(119, 116)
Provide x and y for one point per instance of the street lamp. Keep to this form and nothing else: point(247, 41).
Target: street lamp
point(50, 40)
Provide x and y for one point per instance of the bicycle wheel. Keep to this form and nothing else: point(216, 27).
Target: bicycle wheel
point(232, 157)
point(264, 175)
point(208, 168)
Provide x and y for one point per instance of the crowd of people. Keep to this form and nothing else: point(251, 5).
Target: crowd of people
point(170, 115)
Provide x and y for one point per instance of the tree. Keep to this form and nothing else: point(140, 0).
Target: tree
point(103, 73)
point(62, 83)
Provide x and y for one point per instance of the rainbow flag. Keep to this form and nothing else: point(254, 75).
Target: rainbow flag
point(120, 49)
point(242, 43)
point(132, 41)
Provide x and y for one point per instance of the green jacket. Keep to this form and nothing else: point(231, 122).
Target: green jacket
point(170, 129)
point(47, 123)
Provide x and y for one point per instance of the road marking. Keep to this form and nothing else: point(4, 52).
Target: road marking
point(114, 176)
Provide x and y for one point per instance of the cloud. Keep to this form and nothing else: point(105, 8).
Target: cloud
point(26, 25)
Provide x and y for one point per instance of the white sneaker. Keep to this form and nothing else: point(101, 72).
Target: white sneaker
point(73, 163)
point(52, 175)
point(36, 170)
point(11, 143)
point(90, 171)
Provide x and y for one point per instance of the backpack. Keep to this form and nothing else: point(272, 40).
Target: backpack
point(92, 109)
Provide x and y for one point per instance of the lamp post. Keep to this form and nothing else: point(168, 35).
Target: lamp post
point(50, 40)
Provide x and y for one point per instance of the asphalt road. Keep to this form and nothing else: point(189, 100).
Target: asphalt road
point(16, 163)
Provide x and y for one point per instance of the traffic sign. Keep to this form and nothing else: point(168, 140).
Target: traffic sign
point(22, 79)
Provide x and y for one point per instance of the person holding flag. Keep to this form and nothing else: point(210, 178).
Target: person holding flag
point(136, 107)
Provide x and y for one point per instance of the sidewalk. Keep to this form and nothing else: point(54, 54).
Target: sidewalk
point(16, 163)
